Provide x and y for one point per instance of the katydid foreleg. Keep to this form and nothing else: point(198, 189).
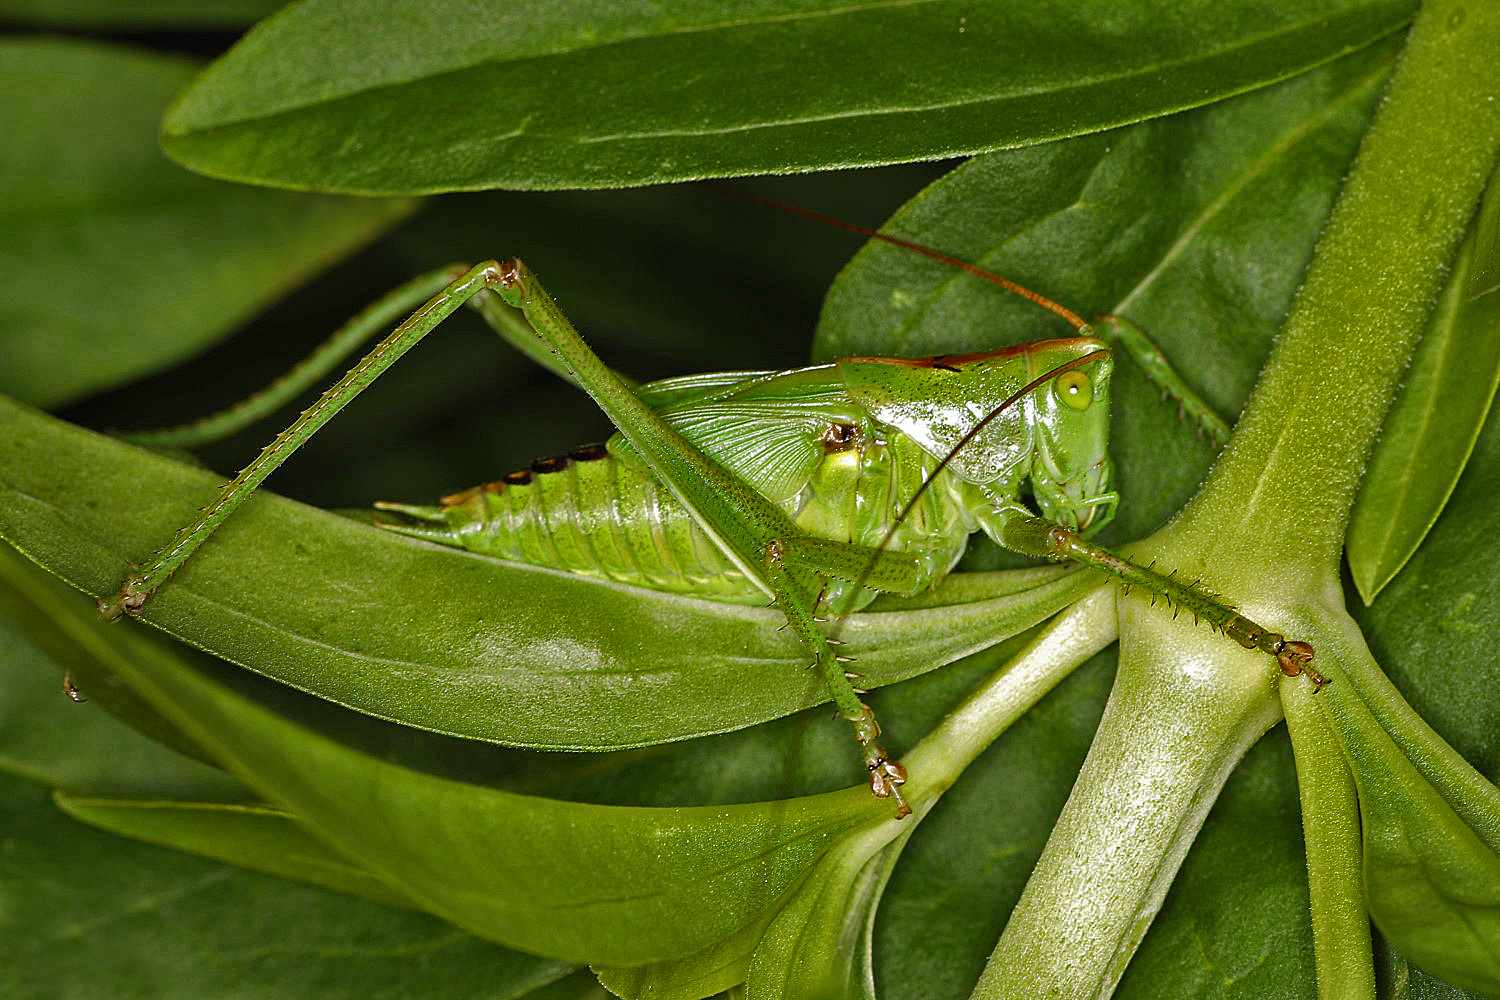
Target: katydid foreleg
point(1038, 537)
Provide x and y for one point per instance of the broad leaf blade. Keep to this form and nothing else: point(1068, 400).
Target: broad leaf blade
point(138, 15)
point(414, 96)
point(251, 836)
point(117, 262)
point(1435, 421)
point(89, 914)
point(613, 884)
point(444, 640)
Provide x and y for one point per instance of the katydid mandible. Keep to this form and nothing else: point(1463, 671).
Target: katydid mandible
point(818, 487)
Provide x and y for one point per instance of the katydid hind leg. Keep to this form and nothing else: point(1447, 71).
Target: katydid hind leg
point(378, 316)
point(755, 534)
point(133, 593)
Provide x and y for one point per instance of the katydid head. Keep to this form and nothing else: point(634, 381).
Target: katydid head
point(1037, 413)
point(1070, 470)
point(1057, 440)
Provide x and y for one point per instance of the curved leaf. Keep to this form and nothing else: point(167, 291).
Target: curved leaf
point(88, 914)
point(116, 261)
point(818, 947)
point(1431, 428)
point(30, 602)
point(1431, 879)
point(49, 739)
point(444, 640)
point(138, 14)
point(256, 837)
point(414, 96)
point(610, 884)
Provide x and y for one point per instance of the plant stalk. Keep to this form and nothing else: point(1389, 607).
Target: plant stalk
point(1172, 732)
point(1283, 490)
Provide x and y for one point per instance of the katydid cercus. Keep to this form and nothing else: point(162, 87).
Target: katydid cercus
point(818, 487)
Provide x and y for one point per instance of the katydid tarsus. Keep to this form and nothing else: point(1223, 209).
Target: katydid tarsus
point(817, 487)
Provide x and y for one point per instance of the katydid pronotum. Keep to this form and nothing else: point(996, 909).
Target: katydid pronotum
point(818, 487)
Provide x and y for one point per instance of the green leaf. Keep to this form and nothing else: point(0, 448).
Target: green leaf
point(116, 261)
point(1431, 428)
point(138, 15)
point(88, 914)
point(413, 96)
point(608, 884)
point(1432, 882)
point(76, 650)
point(348, 611)
point(719, 967)
point(819, 946)
point(251, 836)
point(51, 740)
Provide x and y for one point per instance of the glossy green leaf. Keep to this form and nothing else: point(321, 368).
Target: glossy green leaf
point(1431, 881)
point(407, 96)
point(138, 14)
point(609, 884)
point(719, 967)
point(612, 884)
point(78, 747)
point(1431, 429)
point(49, 739)
point(89, 914)
point(117, 262)
point(42, 631)
point(588, 882)
point(361, 626)
point(819, 946)
point(251, 836)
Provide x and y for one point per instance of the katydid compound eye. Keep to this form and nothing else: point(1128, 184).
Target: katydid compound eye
point(1075, 389)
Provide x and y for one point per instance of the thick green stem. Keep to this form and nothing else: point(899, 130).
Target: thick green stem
point(1174, 729)
point(1282, 492)
point(1069, 639)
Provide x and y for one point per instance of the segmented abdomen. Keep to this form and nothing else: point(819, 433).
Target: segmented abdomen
point(589, 512)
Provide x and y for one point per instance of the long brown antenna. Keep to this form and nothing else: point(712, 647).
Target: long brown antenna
point(854, 227)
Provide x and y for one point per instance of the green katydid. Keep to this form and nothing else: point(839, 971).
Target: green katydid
point(818, 487)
